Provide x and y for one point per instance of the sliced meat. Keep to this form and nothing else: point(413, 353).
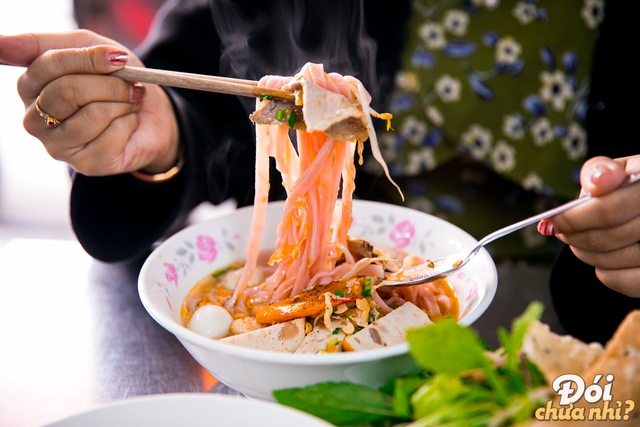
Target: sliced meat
point(319, 338)
point(322, 111)
point(388, 330)
point(331, 113)
point(284, 337)
point(279, 113)
point(360, 248)
point(245, 325)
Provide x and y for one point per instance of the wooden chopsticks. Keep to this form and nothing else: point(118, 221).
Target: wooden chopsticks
point(201, 82)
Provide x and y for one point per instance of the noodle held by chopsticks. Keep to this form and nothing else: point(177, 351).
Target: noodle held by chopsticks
point(312, 236)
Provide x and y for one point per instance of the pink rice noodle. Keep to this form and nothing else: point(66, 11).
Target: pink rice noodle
point(381, 303)
point(444, 301)
point(429, 298)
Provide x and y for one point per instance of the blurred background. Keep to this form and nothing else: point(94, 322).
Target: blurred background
point(34, 188)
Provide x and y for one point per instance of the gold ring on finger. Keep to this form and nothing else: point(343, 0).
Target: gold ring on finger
point(52, 122)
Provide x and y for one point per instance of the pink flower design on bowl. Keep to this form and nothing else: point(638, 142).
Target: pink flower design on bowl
point(402, 233)
point(171, 274)
point(206, 248)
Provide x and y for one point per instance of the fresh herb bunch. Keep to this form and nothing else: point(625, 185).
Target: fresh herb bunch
point(461, 383)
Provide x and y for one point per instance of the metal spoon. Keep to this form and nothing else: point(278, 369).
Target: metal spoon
point(442, 267)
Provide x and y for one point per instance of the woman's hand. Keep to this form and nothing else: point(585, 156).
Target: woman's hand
point(605, 232)
point(108, 126)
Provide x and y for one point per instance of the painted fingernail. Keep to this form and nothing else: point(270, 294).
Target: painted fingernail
point(597, 173)
point(546, 228)
point(118, 57)
point(138, 91)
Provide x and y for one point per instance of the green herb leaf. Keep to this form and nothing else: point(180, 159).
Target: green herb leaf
point(432, 347)
point(445, 389)
point(342, 403)
point(535, 375)
point(335, 331)
point(403, 388)
point(460, 414)
point(512, 344)
point(416, 373)
point(339, 293)
point(458, 385)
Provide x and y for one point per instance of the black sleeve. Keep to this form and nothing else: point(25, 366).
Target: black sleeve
point(587, 308)
point(119, 217)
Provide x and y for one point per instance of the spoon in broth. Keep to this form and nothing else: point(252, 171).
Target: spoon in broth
point(432, 270)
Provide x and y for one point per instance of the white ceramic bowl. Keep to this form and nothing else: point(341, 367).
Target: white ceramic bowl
point(192, 410)
point(192, 253)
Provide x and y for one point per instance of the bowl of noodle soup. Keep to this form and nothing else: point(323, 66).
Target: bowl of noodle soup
point(174, 267)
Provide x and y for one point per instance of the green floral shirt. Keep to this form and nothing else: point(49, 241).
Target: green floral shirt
point(503, 84)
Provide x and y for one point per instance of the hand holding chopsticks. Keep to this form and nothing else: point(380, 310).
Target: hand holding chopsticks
point(83, 94)
point(201, 82)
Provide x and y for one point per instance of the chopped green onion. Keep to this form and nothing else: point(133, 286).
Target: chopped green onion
point(366, 291)
point(335, 331)
point(292, 119)
point(367, 287)
point(335, 309)
point(372, 318)
point(339, 293)
point(267, 97)
point(279, 115)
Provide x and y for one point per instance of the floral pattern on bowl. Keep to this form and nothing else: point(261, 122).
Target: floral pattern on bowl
point(202, 250)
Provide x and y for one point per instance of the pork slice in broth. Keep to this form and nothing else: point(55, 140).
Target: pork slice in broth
point(322, 111)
